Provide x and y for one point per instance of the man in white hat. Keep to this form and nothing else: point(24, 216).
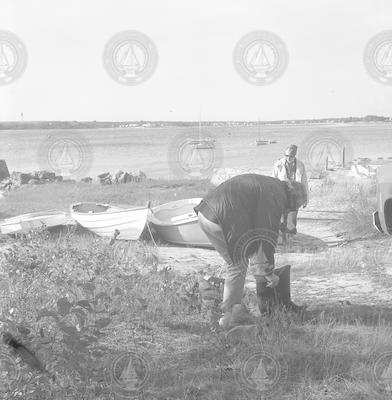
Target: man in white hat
point(290, 169)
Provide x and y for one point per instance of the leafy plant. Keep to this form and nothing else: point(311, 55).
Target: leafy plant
point(68, 297)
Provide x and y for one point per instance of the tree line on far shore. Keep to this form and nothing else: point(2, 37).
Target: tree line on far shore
point(147, 124)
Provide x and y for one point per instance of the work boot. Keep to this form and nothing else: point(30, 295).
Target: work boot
point(239, 315)
point(269, 299)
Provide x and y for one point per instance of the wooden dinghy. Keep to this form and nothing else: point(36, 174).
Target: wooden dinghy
point(107, 220)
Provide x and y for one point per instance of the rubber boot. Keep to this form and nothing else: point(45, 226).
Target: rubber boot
point(266, 297)
point(270, 299)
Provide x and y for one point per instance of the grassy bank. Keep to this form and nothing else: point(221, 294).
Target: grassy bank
point(60, 196)
point(83, 306)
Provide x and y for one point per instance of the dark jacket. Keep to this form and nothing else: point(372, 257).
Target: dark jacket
point(243, 203)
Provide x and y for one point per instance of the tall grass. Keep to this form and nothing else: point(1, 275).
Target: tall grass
point(79, 302)
point(357, 199)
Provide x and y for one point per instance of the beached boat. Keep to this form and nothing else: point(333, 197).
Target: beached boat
point(107, 220)
point(176, 222)
point(42, 219)
point(382, 218)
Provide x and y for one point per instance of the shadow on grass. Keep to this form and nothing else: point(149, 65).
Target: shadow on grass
point(194, 327)
point(302, 243)
point(347, 313)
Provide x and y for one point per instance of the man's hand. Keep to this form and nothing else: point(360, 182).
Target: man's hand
point(272, 280)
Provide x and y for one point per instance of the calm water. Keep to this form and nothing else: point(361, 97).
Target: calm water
point(147, 149)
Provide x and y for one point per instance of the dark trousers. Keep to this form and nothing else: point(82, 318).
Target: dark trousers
point(261, 262)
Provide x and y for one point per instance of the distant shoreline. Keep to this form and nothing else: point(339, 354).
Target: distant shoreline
point(26, 125)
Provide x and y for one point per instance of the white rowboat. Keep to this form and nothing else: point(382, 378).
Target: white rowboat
point(26, 222)
point(176, 222)
point(107, 220)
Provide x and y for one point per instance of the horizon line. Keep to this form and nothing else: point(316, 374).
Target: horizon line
point(195, 121)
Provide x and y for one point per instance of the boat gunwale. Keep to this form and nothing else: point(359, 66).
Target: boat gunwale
point(159, 222)
point(34, 215)
point(170, 223)
point(112, 209)
point(112, 224)
point(192, 245)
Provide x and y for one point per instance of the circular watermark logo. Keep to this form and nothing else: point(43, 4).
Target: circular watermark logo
point(325, 149)
point(247, 248)
point(194, 381)
point(378, 57)
point(130, 57)
point(13, 57)
point(261, 373)
point(67, 155)
point(260, 57)
point(194, 155)
point(9, 372)
point(382, 255)
point(382, 371)
point(130, 373)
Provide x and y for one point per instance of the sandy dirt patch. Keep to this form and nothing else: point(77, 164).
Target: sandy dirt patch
point(315, 239)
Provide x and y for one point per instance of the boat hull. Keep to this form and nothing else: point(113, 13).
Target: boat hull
point(105, 220)
point(27, 222)
point(177, 223)
point(383, 218)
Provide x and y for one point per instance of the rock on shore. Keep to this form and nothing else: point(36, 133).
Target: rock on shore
point(121, 177)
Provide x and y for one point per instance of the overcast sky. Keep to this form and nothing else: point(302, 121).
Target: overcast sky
point(65, 78)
